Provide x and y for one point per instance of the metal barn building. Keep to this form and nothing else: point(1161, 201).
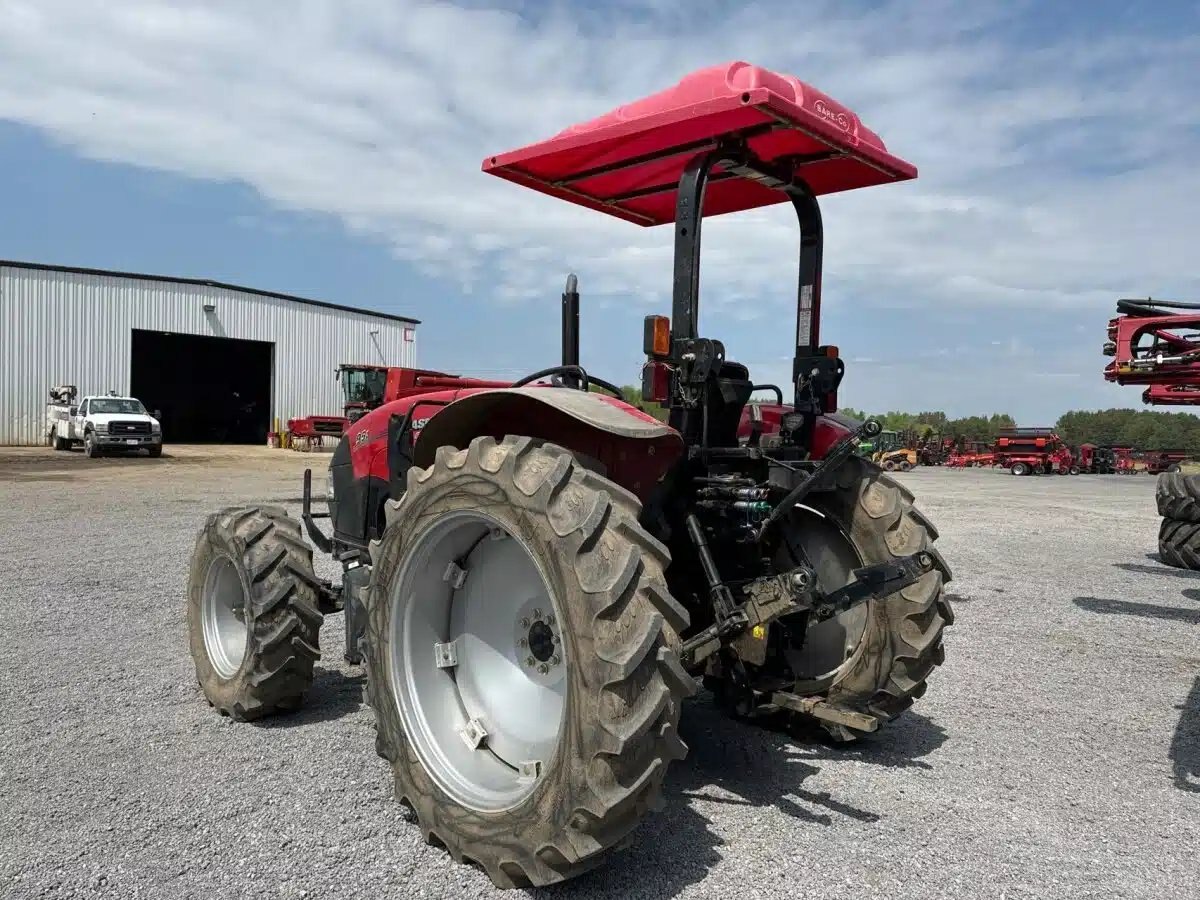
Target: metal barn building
point(220, 362)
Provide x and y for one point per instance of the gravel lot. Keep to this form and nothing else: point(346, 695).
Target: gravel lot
point(1057, 753)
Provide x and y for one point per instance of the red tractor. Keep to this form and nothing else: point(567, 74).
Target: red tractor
point(536, 575)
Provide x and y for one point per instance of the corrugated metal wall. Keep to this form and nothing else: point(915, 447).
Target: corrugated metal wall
point(62, 327)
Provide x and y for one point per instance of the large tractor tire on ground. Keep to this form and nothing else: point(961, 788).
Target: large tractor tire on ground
point(253, 612)
point(876, 657)
point(1178, 496)
point(522, 659)
point(1179, 544)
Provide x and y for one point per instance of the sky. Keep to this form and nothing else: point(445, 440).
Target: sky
point(333, 149)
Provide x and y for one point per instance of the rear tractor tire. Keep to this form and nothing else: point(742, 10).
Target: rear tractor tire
point(1019, 469)
point(875, 658)
point(522, 659)
point(253, 612)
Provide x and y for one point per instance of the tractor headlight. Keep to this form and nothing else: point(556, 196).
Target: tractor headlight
point(330, 497)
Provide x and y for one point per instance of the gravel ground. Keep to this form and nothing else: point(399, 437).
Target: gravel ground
point(1056, 754)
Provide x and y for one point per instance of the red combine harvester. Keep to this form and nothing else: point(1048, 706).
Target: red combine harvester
point(1034, 451)
point(366, 387)
point(535, 576)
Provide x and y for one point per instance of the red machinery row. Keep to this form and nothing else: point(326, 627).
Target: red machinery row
point(1035, 451)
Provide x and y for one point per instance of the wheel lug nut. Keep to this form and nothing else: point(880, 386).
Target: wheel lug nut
point(522, 642)
point(524, 623)
point(529, 661)
point(554, 660)
point(537, 613)
point(549, 620)
point(543, 668)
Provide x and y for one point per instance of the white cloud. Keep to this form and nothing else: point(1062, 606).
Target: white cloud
point(1057, 173)
point(379, 112)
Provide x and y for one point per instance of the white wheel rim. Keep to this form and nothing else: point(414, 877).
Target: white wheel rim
point(477, 663)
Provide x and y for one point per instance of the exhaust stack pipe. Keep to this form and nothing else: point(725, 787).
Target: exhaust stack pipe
point(570, 327)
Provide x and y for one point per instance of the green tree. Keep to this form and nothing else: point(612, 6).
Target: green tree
point(633, 396)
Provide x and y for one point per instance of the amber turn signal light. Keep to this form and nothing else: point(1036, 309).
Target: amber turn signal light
point(656, 336)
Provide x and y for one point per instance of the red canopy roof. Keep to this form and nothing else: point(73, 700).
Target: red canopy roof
point(627, 163)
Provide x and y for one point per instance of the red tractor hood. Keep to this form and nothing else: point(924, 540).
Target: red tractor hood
point(628, 162)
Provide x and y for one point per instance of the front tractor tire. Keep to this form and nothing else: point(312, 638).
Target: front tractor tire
point(522, 659)
point(253, 612)
point(874, 659)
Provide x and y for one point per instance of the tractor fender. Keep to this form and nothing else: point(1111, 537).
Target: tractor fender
point(635, 449)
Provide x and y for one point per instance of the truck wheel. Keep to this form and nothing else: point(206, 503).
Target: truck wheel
point(876, 657)
point(1178, 497)
point(905, 466)
point(57, 442)
point(253, 612)
point(522, 661)
point(155, 452)
point(889, 465)
point(1019, 469)
point(1179, 544)
point(90, 446)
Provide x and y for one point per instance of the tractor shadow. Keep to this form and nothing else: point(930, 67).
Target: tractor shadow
point(1185, 744)
point(737, 764)
point(334, 694)
point(1108, 606)
point(1156, 570)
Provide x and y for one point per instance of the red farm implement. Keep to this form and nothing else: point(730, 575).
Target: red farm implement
point(1096, 460)
point(1156, 344)
point(537, 575)
point(1034, 451)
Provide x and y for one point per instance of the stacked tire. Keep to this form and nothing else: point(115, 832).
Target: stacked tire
point(1178, 498)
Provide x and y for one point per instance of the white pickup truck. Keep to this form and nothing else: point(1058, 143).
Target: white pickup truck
point(102, 424)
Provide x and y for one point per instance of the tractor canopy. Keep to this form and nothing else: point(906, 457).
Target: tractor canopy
point(628, 162)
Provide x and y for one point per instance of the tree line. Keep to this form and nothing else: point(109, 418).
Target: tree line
point(1143, 429)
